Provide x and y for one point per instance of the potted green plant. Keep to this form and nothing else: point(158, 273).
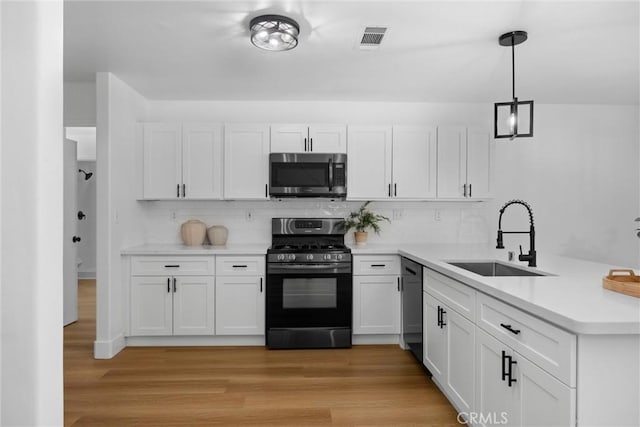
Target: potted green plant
point(362, 220)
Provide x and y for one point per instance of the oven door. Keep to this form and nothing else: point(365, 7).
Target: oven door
point(308, 305)
point(307, 175)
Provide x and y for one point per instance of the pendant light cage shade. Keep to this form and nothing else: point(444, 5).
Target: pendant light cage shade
point(513, 119)
point(274, 32)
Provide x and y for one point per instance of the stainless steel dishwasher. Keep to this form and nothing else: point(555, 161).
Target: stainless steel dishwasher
point(412, 307)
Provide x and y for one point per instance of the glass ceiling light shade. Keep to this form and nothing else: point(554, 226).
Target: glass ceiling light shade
point(274, 32)
point(513, 119)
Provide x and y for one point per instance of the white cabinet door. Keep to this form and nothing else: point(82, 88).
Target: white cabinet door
point(289, 138)
point(460, 360)
point(376, 305)
point(452, 161)
point(202, 161)
point(494, 397)
point(328, 138)
point(239, 306)
point(246, 161)
point(479, 163)
point(369, 163)
point(151, 305)
point(434, 339)
point(193, 305)
point(162, 161)
point(545, 400)
point(414, 162)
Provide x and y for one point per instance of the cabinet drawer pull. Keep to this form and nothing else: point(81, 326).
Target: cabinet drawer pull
point(510, 329)
point(378, 265)
point(172, 266)
point(239, 266)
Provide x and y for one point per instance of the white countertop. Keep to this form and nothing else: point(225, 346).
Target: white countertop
point(572, 297)
point(178, 249)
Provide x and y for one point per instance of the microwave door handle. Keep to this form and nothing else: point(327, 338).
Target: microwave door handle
point(330, 174)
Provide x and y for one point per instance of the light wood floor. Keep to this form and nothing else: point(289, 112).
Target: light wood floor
point(365, 385)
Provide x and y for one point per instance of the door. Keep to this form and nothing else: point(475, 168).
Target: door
point(460, 360)
point(479, 163)
point(289, 138)
point(435, 339)
point(151, 305)
point(376, 305)
point(452, 162)
point(414, 162)
point(369, 163)
point(162, 161)
point(202, 161)
point(193, 305)
point(240, 306)
point(70, 233)
point(246, 161)
point(328, 138)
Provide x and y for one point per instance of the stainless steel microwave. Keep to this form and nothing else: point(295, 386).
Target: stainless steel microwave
point(308, 175)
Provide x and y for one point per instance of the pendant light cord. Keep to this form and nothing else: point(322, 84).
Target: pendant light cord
point(513, 66)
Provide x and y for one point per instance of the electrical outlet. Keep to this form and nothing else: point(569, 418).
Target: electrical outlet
point(438, 215)
point(248, 215)
point(398, 214)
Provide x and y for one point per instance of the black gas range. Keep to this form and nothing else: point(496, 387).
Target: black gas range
point(309, 284)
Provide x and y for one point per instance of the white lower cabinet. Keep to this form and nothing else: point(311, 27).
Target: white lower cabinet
point(239, 306)
point(449, 351)
point(172, 305)
point(376, 304)
point(512, 390)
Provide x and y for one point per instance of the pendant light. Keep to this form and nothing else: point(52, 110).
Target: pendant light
point(513, 119)
point(274, 32)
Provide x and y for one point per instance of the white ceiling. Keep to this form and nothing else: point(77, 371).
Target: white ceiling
point(440, 51)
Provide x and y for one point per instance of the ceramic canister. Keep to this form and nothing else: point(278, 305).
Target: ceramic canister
point(218, 235)
point(193, 232)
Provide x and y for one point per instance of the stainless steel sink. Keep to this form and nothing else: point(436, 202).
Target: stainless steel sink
point(494, 268)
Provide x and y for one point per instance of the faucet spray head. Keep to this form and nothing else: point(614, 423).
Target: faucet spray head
point(499, 245)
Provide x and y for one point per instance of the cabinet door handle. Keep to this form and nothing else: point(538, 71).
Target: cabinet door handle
point(504, 365)
point(310, 144)
point(172, 266)
point(266, 191)
point(184, 190)
point(305, 144)
point(464, 190)
point(510, 379)
point(470, 191)
point(177, 190)
point(439, 316)
point(510, 329)
point(395, 190)
point(261, 285)
point(168, 284)
point(389, 190)
point(398, 284)
point(442, 313)
point(174, 284)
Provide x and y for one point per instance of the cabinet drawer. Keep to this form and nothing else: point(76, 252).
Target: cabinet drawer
point(376, 265)
point(175, 265)
point(239, 265)
point(548, 346)
point(457, 296)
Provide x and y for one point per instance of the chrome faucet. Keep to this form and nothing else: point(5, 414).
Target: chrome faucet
point(531, 256)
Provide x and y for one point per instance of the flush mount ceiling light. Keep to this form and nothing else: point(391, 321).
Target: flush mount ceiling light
point(513, 119)
point(274, 32)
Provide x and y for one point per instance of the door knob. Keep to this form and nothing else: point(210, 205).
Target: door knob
point(81, 215)
point(76, 239)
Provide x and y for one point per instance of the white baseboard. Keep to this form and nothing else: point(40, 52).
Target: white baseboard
point(187, 341)
point(86, 274)
point(108, 349)
point(375, 339)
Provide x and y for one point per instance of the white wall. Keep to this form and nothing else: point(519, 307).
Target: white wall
point(31, 197)
point(87, 227)
point(79, 104)
point(580, 175)
point(118, 109)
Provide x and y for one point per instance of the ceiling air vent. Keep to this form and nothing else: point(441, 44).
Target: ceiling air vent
point(372, 37)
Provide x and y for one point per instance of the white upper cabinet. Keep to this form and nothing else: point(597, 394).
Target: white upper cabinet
point(369, 163)
point(391, 163)
point(465, 160)
point(414, 162)
point(181, 161)
point(202, 161)
point(246, 160)
point(296, 138)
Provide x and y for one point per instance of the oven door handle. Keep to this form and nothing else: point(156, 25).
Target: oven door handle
point(332, 268)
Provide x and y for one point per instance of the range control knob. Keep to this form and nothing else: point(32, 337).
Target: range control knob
point(292, 257)
point(339, 257)
point(310, 257)
point(281, 257)
point(327, 257)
